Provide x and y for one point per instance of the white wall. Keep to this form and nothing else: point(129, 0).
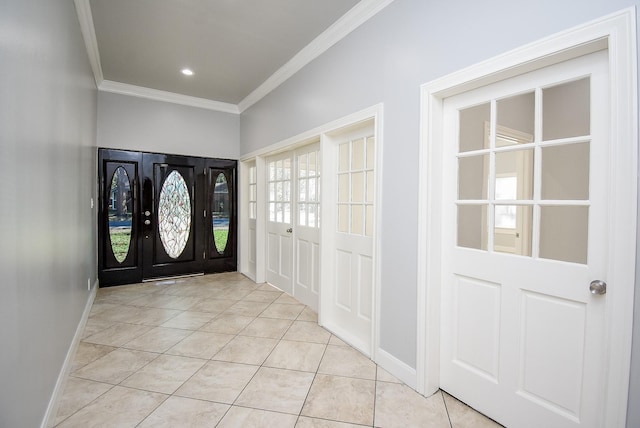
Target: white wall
point(47, 177)
point(409, 43)
point(132, 123)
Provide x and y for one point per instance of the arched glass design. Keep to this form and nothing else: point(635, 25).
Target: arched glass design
point(120, 214)
point(221, 213)
point(174, 214)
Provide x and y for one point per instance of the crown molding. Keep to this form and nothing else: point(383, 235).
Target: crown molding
point(83, 9)
point(355, 17)
point(169, 97)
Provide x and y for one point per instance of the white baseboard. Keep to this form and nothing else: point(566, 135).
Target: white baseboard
point(54, 402)
point(399, 369)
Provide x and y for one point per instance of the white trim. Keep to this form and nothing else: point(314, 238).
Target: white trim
point(355, 17)
point(61, 382)
point(169, 97)
point(304, 138)
point(85, 17)
point(399, 369)
point(618, 32)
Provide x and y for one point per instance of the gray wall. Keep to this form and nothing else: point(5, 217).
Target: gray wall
point(132, 123)
point(47, 176)
point(409, 43)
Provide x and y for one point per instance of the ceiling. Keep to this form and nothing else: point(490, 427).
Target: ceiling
point(235, 47)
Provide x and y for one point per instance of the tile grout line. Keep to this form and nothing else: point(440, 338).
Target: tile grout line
point(446, 408)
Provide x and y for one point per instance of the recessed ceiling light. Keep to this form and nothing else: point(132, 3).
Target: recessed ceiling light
point(187, 72)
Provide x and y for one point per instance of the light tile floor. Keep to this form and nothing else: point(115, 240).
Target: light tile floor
point(222, 351)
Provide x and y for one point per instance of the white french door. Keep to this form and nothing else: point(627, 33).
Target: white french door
point(524, 234)
point(307, 225)
point(348, 268)
point(279, 262)
point(293, 226)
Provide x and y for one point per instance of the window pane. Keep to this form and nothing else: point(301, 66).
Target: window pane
point(371, 152)
point(302, 190)
point(370, 187)
point(286, 194)
point(472, 127)
point(302, 165)
point(513, 225)
point(566, 110)
point(287, 212)
point(313, 214)
point(565, 172)
point(343, 188)
point(357, 162)
point(272, 211)
point(357, 219)
point(516, 113)
point(313, 169)
point(357, 187)
point(120, 214)
point(518, 167)
point(472, 232)
point(302, 214)
point(312, 194)
point(473, 177)
point(287, 169)
point(343, 157)
point(272, 191)
point(564, 233)
point(279, 173)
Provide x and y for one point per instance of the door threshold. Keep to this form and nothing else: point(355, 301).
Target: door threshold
point(169, 279)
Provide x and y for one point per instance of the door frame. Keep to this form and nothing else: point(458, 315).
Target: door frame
point(617, 33)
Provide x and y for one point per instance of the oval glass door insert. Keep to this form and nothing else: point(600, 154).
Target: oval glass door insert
point(174, 214)
point(120, 214)
point(221, 213)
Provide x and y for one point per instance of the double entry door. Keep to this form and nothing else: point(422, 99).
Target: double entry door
point(164, 215)
point(293, 222)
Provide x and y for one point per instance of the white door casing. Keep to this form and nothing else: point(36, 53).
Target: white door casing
point(618, 33)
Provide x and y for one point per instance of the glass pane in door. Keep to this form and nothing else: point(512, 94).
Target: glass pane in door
point(174, 214)
point(120, 214)
point(220, 213)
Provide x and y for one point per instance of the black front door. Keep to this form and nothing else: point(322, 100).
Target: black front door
point(164, 215)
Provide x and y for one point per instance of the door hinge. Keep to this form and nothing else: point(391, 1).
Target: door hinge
point(204, 255)
point(204, 213)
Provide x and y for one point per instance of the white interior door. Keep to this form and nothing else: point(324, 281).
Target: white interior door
point(279, 263)
point(524, 233)
point(348, 269)
point(307, 225)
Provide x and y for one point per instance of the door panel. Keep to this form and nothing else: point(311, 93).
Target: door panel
point(522, 336)
point(220, 217)
point(174, 235)
point(172, 207)
point(279, 221)
point(119, 247)
point(307, 230)
point(348, 297)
